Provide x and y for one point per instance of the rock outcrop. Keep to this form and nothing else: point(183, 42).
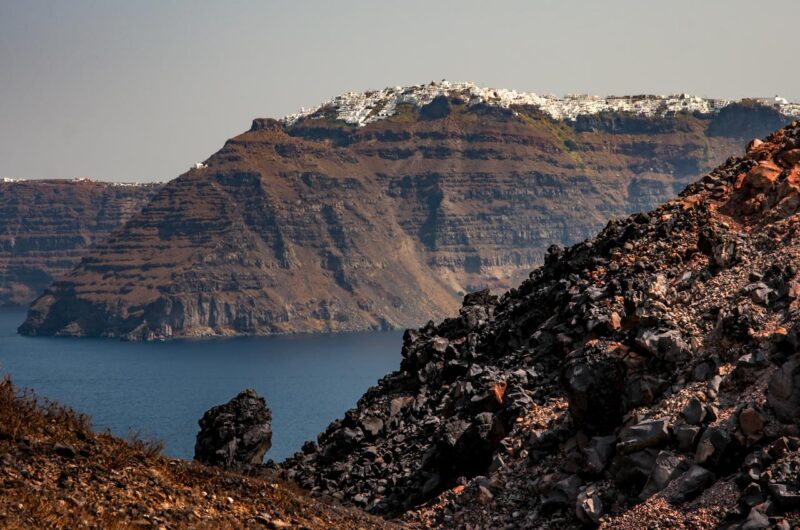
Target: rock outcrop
point(235, 435)
point(47, 226)
point(643, 378)
point(381, 210)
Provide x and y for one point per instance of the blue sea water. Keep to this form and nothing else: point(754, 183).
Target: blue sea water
point(161, 389)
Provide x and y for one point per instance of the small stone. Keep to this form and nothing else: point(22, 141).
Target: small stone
point(398, 404)
point(694, 412)
point(752, 495)
point(598, 453)
point(589, 507)
point(750, 421)
point(372, 425)
point(754, 144)
point(484, 495)
point(651, 433)
point(690, 484)
point(712, 446)
point(756, 520)
point(562, 493)
point(664, 344)
point(668, 466)
point(64, 451)
point(712, 387)
point(787, 498)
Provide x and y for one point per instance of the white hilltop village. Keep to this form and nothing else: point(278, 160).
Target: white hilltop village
point(77, 180)
point(363, 108)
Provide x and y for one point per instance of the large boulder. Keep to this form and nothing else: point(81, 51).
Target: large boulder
point(594, 382)
point(235, 435)
point(465, 448)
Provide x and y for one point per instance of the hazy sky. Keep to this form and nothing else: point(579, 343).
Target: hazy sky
point(140, 90)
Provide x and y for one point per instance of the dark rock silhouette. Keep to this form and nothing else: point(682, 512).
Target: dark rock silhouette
point(235, 435)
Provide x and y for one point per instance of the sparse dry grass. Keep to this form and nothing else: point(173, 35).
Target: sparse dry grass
point(55, 472)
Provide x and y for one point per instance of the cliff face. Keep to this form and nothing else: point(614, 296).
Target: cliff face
point(46, 226)
point(338, 220)
point(648, 377)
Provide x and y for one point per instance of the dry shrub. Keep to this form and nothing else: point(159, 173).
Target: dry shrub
point(23, 414)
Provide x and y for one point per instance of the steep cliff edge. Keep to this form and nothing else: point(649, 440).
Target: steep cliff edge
point(382, 209)
point(47, 226)
point(644, 378)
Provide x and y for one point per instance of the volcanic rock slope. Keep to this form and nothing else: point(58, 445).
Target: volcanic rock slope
point(646, 378)
point(381, 210)
point(47, 226)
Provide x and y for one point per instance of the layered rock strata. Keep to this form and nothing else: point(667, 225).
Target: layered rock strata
point(47, 226)
point(331, 220)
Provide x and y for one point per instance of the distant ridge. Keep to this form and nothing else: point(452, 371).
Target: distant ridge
point(361, 108)
point(381, 210)
point(47, 226)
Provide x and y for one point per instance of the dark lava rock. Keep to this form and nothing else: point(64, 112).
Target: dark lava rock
point(594, 382)
point(665, 344)
point(64, 451)
point(694, 412)
point(644, 435)
point(561, 493)
point(690, 484)
point(713, 445)
point(783, 392)
point(687, 436)
point(668, 467)
point(598, 454)
point(589, 506)
point(466, 449)
point(634, 469)
point(235, 435)
point(563, 397)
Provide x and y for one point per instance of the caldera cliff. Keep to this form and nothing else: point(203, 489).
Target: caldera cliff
point(382, 209)
point(47, 226)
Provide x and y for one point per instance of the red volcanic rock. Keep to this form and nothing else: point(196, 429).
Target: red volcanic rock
point(789, 157)
point(763, 175)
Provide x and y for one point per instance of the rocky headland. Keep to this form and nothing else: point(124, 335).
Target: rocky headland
point(382, 209)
